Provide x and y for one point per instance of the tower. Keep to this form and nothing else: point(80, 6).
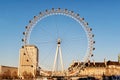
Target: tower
point(28, 60)
point(58, 53)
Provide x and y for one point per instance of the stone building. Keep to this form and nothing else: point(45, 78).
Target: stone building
point(28, 61)
point(8, 72)
point(98, 69)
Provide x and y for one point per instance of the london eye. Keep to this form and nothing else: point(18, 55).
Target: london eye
point(62, 37)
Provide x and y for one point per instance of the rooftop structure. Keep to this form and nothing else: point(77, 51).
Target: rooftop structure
point(119, 58)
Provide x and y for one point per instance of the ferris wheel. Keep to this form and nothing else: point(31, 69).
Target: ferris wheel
point(64, 13)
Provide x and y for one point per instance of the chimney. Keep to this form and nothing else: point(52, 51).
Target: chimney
point(88, 62)
point(93, 62)
point(119, 58)
point(105, 62)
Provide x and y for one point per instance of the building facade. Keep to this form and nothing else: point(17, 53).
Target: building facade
point(28, 60)
point(98, 69)
point(8, 72)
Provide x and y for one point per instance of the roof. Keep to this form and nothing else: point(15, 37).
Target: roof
point(8, 66)
point(96, 64)
point(113, 63)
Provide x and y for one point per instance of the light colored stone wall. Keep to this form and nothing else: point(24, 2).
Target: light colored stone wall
point(112, 70)
point(28, 60)
point(98, 72)
point(4, 69)
point(91, 71)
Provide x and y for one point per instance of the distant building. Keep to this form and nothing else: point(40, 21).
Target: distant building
point(7, 71)
point(97, 69)
point(28, 62)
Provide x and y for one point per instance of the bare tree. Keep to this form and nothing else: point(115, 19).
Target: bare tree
point(27, 75)
point(24, 74)
point(14, 75)
point(6, 75)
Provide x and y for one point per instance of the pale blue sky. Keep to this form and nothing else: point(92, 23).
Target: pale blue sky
point(102, 15)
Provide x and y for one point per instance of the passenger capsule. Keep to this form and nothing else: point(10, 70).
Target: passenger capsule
point(91, 55)
point(77, 14)
point(90, 29)
point(22, 40)
point(34, 16)
point(40, 13)
point(23, 33)
point(82, 18)
point(26, 27)
point(46, 10)
point(93, 48)
point(30, 21)
point(71, 11)
point(86, 23)
point(22, 46)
